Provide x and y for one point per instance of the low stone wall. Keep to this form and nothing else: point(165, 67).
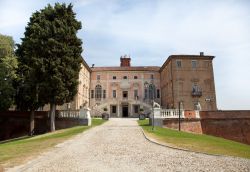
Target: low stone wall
point(233, 125)
point(15, 124)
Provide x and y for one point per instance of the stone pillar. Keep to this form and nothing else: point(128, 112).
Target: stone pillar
point(197, 114)
point(85, 115)
point(131, 110)
point(158, 121)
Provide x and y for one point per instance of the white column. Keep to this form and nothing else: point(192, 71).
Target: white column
point(131, 109)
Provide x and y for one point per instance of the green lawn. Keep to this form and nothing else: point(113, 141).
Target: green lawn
point(196, 142)
point(17, 151)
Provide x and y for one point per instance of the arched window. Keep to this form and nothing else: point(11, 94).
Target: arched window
point(150, 91)
point(98, 92)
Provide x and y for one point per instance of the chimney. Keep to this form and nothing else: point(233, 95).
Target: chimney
point(201, 53)
point(125, 61)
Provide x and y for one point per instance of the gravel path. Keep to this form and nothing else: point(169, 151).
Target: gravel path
point(119, 145)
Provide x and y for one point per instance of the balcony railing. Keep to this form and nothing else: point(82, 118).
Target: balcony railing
point(197, 93)
point(168, 113)
point(124, 98)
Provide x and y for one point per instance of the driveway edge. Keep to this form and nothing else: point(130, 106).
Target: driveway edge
point(177, 148)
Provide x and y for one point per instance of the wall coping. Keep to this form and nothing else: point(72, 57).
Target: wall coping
point(227, 114)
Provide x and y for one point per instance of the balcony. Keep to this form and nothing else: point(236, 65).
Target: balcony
point(196, 93)
point(125, 99)
point(136, 97)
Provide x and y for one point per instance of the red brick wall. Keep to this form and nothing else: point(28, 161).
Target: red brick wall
point(233, 125)
point(15, 124)
point(189, 114)
point(188, 125)
point(226, 114)
point(125, 62)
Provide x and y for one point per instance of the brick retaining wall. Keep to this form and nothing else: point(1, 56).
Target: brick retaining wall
point(233, 125)
point(189, 125)
point(16, 124)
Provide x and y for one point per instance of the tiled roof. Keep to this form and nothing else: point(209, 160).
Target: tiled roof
point(133, 68)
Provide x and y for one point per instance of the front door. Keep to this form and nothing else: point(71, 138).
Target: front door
point(125, 111)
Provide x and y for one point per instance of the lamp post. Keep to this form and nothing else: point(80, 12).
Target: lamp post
point(179, 116)
point(153, 126)
point(180, 103)
point(153, 116)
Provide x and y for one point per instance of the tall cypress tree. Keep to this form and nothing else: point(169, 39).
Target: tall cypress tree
point(52, 52)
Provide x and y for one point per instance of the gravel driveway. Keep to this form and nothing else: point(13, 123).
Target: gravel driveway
point(119, 145)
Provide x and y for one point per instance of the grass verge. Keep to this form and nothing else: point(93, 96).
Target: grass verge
point(196, 142)
point(18, 151)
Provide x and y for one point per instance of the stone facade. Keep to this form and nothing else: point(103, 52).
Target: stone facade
point(123, 91)
point(188, 80)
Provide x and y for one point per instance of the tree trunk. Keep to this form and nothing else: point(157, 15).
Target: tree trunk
point(32, 122)
point(52, 116)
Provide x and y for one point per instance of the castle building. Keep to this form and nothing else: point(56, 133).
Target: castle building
point(188, 80)
point(122, 91)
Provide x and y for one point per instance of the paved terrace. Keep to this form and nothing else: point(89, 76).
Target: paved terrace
point(119, 145)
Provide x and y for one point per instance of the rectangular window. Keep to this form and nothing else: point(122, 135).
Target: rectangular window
point(135, 94)
point(104, 94)
point(125, 94)
point(98, 77)
point(158, 93)
point(135, 77)
point(92, 94)
point(136, 108)
point(125, 77)
point(194, 63)
point(178, 63)
point(114, 77)
point(146, 93)
point(113, 109)
point(206, 64)
point(114, 93)
point(152, 76)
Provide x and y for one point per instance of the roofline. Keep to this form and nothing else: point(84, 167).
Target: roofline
point(86, 64)
point(118, 68)
point(185, 57)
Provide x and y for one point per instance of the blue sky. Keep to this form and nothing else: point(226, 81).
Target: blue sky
point(151, 30)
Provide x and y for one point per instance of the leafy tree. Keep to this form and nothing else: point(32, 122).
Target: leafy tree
point(50, 54)
point(8, 65)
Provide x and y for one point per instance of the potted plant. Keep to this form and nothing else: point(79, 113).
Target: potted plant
point(141, 114)
point(105, 115)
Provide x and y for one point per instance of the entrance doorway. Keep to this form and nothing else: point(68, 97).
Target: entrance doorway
point(125, 111)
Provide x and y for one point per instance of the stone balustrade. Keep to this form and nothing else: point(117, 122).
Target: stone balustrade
point(168, 113)
point(68, 114)
point(76, 114)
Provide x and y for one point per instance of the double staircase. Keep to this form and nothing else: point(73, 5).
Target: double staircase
point(98, 110)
